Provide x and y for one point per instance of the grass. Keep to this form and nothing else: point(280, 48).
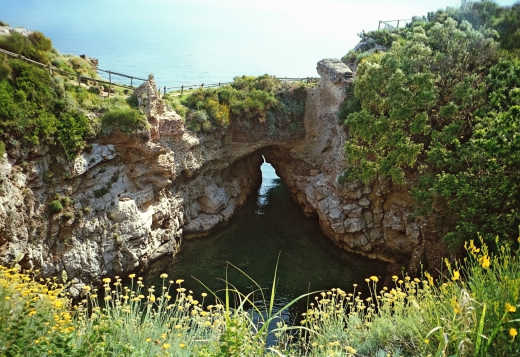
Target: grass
point(473, 310)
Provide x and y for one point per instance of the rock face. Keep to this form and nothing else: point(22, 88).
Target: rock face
point(131, 199)
point(371, 220)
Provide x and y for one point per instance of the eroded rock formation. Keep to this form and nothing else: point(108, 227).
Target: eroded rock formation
point(130, 199)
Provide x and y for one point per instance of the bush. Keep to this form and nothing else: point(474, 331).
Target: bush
point(246, 99)
point(2, 149)
point(126, 120)
point(36, 46)
point(131, 100)
point(33, 110)
point(55, 206)
point(428, 114)
point(40, 42)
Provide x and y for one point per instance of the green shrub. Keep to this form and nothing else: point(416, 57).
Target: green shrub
point(126, 120)
point(55, 206)
point(436, 114)
point(132, 100)
point(246, 99)
point(35, 46)
point(2, 149)
point(40, 42)
point(33, 109)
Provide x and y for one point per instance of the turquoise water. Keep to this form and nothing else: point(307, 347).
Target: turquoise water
point(209, 41)
point(270, 225)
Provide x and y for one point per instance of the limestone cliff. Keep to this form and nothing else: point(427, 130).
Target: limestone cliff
point(374, 220)
point(130, 199)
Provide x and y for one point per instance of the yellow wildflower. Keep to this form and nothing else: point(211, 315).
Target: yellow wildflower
point(350, 350)
point(164, 276)
point(484, 261)
point(513, 332)
point(456, 275)
point(166, 346)
point(374, 278)
point(179, 281)
point(131, 276)
point(106, 280)
point(429, 277)
point(510, 308)
point(182, 345)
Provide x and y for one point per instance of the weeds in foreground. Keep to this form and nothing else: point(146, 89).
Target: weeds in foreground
point(472, 311)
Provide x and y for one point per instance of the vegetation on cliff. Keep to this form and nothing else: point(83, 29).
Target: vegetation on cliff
point(439, 111)
point(265, 99)
point(38, 109)
point(472, 310)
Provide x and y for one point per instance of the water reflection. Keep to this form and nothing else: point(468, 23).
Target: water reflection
point(269, 181)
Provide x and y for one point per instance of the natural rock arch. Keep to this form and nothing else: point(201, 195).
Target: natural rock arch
point(140, 195)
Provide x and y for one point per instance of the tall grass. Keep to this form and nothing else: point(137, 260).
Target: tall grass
point(472, 310)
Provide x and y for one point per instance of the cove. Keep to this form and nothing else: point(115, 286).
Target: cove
point(268, 225)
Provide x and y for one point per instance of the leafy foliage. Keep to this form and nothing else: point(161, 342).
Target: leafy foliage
point(126, 120)
point(55, 206)
point(246, 99)
point(439, 114)
point(35, 46)
point(33, 109)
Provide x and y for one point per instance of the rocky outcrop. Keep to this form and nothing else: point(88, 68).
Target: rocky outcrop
point(129, 199)
point(374, 220)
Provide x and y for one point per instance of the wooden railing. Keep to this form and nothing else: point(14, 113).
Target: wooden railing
point(392, 24)
point(184, 87)
point(81, 78)
point(75, 75)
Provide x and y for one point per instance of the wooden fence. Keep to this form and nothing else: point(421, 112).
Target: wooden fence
point(184, 87)
point(77, 76)
point(81, 78)
point(392, 24)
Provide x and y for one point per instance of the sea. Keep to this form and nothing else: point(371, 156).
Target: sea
point(190, 42)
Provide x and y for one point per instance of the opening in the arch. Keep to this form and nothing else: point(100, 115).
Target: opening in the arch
point(269, 180)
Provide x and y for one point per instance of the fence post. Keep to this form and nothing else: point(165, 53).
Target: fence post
point(79, 79)
point(379, 25)
point(110, 83)
point(182, 89)
point(398, 24)
point(202, 85)
point(164, 91)
point(131, 81)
